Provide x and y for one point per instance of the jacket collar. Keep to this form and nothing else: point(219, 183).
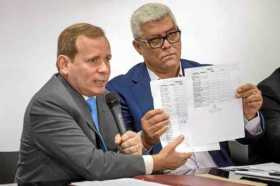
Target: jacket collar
point(80, 101)
point(141, 74)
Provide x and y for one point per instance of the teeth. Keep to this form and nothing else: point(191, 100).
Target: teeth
point(100, 81)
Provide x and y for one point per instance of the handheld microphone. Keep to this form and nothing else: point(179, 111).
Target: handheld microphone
point(113, 102)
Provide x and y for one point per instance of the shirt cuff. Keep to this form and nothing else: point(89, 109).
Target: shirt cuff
point(145, 151)
point(254, 125)
point(149, 163)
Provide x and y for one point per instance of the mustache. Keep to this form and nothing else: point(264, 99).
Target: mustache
point(169, 54)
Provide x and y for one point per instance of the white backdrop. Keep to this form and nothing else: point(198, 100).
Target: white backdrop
point(213, 31)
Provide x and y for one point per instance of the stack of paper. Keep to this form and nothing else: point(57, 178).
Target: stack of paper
point(269, 171)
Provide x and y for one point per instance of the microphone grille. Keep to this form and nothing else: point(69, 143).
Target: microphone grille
point(112, 99)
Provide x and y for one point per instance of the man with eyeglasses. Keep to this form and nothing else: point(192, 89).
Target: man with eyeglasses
point(157, 38)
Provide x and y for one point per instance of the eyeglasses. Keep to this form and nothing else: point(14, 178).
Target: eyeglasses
point(157, 42)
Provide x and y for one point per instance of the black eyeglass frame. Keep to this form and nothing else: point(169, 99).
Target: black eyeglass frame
point(148, 41)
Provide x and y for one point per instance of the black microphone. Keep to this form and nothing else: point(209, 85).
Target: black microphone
point(113, 102)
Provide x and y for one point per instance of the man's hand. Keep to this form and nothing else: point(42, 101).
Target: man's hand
point(168, 158)
point(252, 99)
point(129, 143)
point(154, 124)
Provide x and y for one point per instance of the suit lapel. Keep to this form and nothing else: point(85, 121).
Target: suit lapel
point(81, 104)
point(141, 89)
point(86, 112)
point(107, 125)
point(101, 113)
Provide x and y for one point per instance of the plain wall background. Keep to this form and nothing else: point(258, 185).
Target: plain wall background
point(213, 31)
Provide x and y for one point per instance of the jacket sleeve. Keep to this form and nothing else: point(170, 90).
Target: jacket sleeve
point(57, 134)
point(271, 113)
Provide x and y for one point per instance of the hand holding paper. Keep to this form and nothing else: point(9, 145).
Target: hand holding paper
point(252, 100)
point(154, 124)
point(168, 158)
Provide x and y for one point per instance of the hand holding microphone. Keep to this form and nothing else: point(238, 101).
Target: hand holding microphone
point(129, 142)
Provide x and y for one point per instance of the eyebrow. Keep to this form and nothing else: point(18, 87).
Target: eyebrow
point(109, 56)
point(91, 58)
point(159, 35)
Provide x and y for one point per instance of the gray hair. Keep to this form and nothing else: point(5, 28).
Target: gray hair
point(146, 13)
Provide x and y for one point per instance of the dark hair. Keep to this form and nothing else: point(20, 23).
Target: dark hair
point(67, 39)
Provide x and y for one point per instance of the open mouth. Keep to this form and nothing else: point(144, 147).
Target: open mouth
point(100, 83)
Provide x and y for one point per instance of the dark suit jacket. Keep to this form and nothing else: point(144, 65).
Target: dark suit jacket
point(59, 140)
point(268, 148)
point(136, 100)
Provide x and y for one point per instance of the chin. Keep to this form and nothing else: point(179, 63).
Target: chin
point(99, 91)
point(171, 63)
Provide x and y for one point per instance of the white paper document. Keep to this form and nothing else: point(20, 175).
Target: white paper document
point(214, 110)
point(122, 182)
point(170, 95)
point(265, 170)
point(202, 106)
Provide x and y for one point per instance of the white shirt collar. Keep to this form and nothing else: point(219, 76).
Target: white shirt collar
point(86, 97)
point(153, 76)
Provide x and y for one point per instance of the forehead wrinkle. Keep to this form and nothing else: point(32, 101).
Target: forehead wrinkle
point(151, 28)
point(97, 46)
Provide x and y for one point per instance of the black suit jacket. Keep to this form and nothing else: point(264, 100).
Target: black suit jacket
point(268, 148)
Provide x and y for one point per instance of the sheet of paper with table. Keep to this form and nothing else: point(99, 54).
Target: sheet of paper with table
point(202, 106)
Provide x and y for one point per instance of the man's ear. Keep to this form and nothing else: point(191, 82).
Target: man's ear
point(62, 64)
point(138, 47)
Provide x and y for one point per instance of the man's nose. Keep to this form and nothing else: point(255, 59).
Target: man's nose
point(166, 44)
point(104, 67)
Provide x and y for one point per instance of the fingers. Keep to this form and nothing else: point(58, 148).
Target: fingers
point(252, 99)
point(154, 124)
point(130, 140)
point(177, 141)
point(247, 90)
point(254, 103)
point(245, 87)
point(135, 149)
point(157, 127)
point(185, 155)
point(155, 115)
point(118, 139)
point(159, 132)
point(154, 121)
point(248, 93)
point(127, 135)
point(251, 95)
